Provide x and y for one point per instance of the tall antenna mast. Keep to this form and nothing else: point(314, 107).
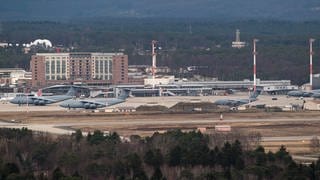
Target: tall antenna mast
point(254, 65)
point(237, 35)
point(154, 59)
point(311, 40)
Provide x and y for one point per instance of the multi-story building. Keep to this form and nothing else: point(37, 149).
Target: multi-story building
point(79, 67)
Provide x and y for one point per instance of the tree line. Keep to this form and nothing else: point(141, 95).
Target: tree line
point(171, 155)
point(282, 49)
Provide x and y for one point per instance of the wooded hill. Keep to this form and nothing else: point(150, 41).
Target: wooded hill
point(218, 9)
point(283, 49)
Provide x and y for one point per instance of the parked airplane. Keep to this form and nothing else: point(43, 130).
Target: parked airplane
point(5, 100)
point(316, 95)
point(237, 102)
point(96, 102)
point(311, 93)
point(42, 100)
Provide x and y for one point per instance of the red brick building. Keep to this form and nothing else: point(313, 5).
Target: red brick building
point(79, 67)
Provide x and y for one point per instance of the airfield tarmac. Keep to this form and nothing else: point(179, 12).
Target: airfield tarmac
point(167, 101)
point(294, 129)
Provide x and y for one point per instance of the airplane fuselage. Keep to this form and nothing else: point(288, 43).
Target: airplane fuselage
point(90, 103)
point(42, 100)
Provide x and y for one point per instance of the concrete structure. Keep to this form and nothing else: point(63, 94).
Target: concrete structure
point(4, 45)
point(238, 43)
point(123, 109)
point(137, 73)
point(277, 89)
point(14, 76)
point(158, 80)
point(313, 105)
point(205, 87)
point(222, 128)
point(79, 68)
point(63, 89)
point(316, 81)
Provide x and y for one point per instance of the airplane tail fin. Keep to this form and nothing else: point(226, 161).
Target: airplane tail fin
point(39, 93)
point(123, 93)
point(254, 95)
point(71, 92)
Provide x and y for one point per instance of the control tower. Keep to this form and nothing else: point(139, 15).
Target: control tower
point(238, 43)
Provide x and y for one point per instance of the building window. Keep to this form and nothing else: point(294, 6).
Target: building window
point(58, 66)
point(110, 66)
point(53, 65)
point(106, 66)
point(47, 67)
point(101, 66)
point(63, 66)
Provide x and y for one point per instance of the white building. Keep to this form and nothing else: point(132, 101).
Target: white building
point(11, 76)
point(159, 80)
point(238, 43)
point(4, 45)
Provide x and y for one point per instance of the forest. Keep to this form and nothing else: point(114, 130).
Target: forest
point(295, 10)
point(283, 47)
point(171, 155)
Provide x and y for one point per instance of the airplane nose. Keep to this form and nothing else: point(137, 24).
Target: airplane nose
point(63, 104)
point(66, 104)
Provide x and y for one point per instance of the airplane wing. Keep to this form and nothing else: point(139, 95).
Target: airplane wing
point(97, 103)
point(103, 102)
point(43, 100)
point(90, 103)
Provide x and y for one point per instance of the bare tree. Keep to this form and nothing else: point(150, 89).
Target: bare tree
point(254, 139)
point(315, 144)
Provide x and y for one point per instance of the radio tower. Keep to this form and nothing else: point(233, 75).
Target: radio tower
point(254, 65)
point(311, 54)
point(154, 59)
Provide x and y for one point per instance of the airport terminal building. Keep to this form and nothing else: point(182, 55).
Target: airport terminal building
point(78, 68)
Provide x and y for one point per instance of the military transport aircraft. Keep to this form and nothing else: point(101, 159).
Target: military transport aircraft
point(42, 100)
point(4, 100)
point(297, 93)
point(96, 102)
point(237, 102)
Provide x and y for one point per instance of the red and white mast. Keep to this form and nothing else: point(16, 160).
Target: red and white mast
point(254, 65)
point(311, 56)
point(154, 59)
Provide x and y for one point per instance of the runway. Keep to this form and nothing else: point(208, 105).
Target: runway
point(63, 129)
point(58, 127)
point(275, 128)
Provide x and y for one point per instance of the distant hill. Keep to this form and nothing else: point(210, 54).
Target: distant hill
point(218, 9)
